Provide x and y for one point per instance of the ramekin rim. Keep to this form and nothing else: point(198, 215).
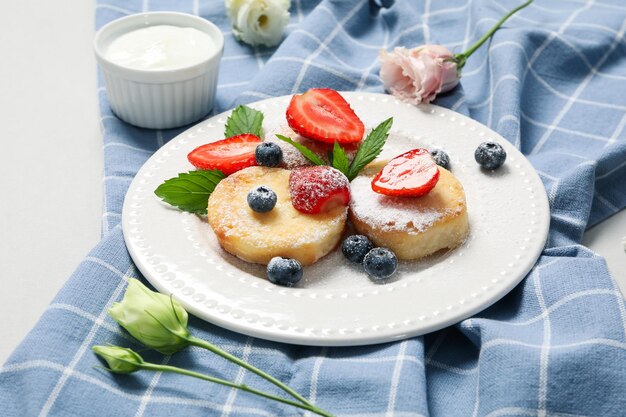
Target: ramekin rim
point(135, 73)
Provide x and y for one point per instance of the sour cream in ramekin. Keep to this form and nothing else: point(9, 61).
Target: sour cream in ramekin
point(160, 68)
point(161, 47)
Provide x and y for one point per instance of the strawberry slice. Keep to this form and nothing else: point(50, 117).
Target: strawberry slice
point(316, 189)
point(323, 114)
point(228, 155)
point(412, 174)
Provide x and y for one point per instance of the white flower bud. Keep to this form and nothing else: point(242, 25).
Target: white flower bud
point(120, 360)
point(156, 320)
point(258, 22)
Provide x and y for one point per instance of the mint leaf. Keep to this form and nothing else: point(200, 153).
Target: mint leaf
point(244, 120)
point(339, 159)
point(308, 154)
point(190, 191)
point(370, 148)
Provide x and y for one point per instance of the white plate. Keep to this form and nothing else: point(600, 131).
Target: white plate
point(336, 304)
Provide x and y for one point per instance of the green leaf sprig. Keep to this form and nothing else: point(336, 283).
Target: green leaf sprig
point(244, 120)
point(190, 191)
point(306, 152)
point(339, 160)
point(370, 148)
point(366, 153)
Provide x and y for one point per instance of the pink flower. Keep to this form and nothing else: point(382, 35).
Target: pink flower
point(417, 75)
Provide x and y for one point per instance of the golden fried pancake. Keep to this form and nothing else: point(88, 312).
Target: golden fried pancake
point(283, 231)
point(412, 227)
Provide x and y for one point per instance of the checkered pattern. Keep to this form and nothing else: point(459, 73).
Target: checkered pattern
point(551, 81)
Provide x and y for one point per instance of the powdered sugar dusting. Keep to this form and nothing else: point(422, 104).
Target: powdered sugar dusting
point(240, 224)
point(392, 213)
point(292, 157)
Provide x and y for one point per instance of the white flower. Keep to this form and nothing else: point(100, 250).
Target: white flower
point(258, 22)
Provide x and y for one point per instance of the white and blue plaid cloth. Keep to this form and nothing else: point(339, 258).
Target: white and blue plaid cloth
point(552, 81)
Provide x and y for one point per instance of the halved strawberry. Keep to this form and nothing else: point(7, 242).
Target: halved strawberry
point(412, 174)
point(316, 189)
point(228, 155)
point(323, 114)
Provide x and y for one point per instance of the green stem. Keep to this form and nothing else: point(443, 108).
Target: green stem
point(210, 347)
point(173, 369)
point(462, 57)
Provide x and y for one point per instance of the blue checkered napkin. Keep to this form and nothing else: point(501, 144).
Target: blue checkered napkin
point(551, 81)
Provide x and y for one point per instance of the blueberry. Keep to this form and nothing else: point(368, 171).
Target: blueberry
point(376, 5)
point(441, 158)
point(284, 271)
point(268, 154)
point(355, 248)
point(490, 155)
point(380, 263)
point(261, 199)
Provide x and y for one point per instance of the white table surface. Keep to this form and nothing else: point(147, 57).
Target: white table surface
point(51, 161)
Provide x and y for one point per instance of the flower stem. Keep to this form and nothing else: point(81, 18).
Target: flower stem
point(206, 345)
point(462, 57)
point(173, 369)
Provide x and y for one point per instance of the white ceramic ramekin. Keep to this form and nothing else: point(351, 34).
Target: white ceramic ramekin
point(159, 99)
